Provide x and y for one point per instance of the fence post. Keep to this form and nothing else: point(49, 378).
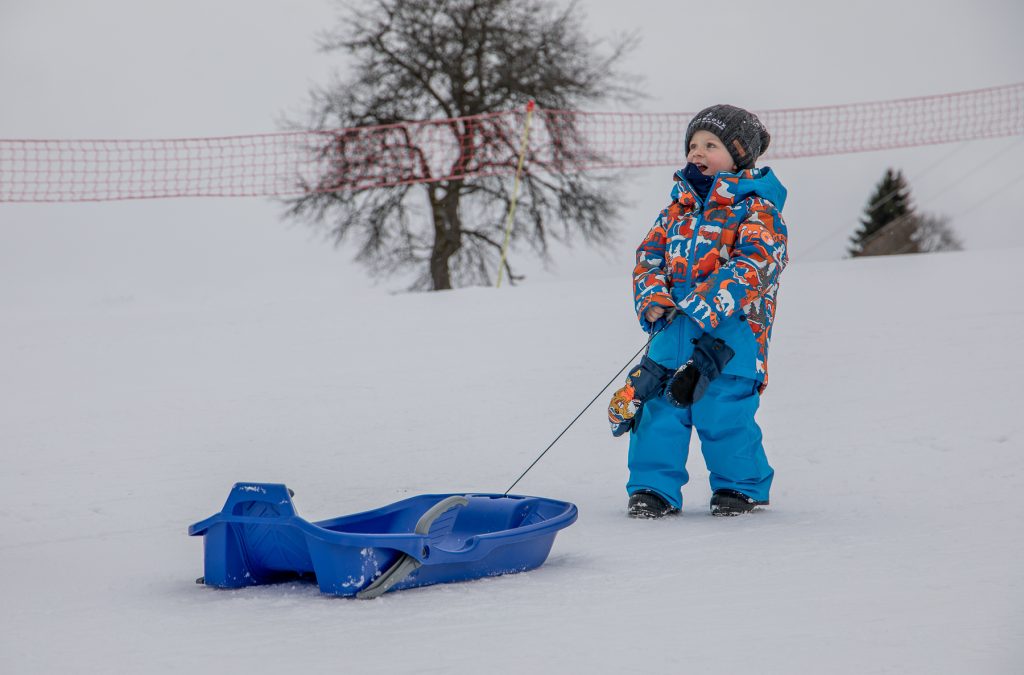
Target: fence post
point(515, 191)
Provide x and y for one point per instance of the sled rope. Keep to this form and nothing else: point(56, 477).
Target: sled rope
point(669, 316)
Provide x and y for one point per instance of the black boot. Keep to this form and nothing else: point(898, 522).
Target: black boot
point(647, 504)
point(733, 503)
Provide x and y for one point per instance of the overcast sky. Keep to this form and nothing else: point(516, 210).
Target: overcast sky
point(128, 68)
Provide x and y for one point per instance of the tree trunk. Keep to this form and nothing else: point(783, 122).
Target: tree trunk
point(447, 233)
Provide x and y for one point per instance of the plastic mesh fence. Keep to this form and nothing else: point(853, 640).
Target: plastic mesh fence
point(296, 163)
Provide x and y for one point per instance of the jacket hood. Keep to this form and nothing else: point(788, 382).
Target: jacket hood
point(730, 188)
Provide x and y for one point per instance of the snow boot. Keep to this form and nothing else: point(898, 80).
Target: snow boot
point(733, 503)
point(648, 504)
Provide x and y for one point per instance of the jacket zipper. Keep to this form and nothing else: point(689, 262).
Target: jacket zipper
point(690, 261)
point(691, 273)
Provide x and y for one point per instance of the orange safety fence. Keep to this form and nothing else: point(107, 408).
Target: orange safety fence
point(300, 162)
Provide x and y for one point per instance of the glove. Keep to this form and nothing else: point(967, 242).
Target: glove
point(689, 383)
point(645, 380)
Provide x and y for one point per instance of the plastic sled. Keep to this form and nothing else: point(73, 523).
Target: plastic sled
point(258, 538)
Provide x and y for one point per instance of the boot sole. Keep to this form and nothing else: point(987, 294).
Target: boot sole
point(730, 506)
point(641, 514)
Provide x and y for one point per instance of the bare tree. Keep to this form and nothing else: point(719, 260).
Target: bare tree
point(414, 60)
point(934, 233)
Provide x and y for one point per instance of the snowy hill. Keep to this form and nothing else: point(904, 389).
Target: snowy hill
point(894, 542)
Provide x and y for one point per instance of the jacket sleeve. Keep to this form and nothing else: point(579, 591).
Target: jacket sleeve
point(650, 276)
point(759, 256)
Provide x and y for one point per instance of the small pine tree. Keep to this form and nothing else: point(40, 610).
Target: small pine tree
point(890, 202)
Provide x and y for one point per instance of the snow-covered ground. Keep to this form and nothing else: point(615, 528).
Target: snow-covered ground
point(893, 544)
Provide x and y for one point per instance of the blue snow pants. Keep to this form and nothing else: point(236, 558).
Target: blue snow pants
point(730, 441)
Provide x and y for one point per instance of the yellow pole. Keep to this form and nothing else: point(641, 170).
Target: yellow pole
point(515, 192)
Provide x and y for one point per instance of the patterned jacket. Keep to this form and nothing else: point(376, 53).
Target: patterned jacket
point(719, 262)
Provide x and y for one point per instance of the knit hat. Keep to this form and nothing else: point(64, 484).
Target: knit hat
point(744, 136)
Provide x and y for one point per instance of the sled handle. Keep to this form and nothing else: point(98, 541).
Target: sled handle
point(406, 564)
point(426, 521)
point(276, 495)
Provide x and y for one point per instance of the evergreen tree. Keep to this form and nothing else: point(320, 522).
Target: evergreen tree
point(889, 203)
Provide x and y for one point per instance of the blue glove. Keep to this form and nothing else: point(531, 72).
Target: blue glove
point(689, 383)
point(645, 380)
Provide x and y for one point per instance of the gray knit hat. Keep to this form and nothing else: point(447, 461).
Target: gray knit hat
point(744, 136)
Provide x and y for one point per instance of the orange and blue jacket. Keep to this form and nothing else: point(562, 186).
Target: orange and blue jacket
point(718, 261)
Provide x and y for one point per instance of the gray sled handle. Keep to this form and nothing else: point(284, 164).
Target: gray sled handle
point(427, 519)
point(406, 564)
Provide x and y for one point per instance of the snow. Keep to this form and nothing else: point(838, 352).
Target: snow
point(152, 354)
point(129, 408)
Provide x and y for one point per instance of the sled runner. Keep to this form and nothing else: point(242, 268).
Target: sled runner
point(259, 538)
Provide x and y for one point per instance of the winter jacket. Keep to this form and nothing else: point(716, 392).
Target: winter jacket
point(719, 262)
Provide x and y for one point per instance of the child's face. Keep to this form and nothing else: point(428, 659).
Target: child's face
point(708, 153)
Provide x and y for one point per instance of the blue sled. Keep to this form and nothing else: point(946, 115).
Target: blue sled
point(258, 538)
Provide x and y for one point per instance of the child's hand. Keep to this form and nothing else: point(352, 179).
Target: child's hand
point(654, 312)
point(710, 356)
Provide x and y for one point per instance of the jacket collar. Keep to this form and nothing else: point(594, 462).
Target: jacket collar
point(731, 188)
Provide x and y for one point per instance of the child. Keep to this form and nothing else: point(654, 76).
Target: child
point(704, 285)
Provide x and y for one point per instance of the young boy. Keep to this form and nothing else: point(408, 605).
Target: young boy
point(705, 285)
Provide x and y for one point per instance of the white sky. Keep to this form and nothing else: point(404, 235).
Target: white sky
point(152, 69)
